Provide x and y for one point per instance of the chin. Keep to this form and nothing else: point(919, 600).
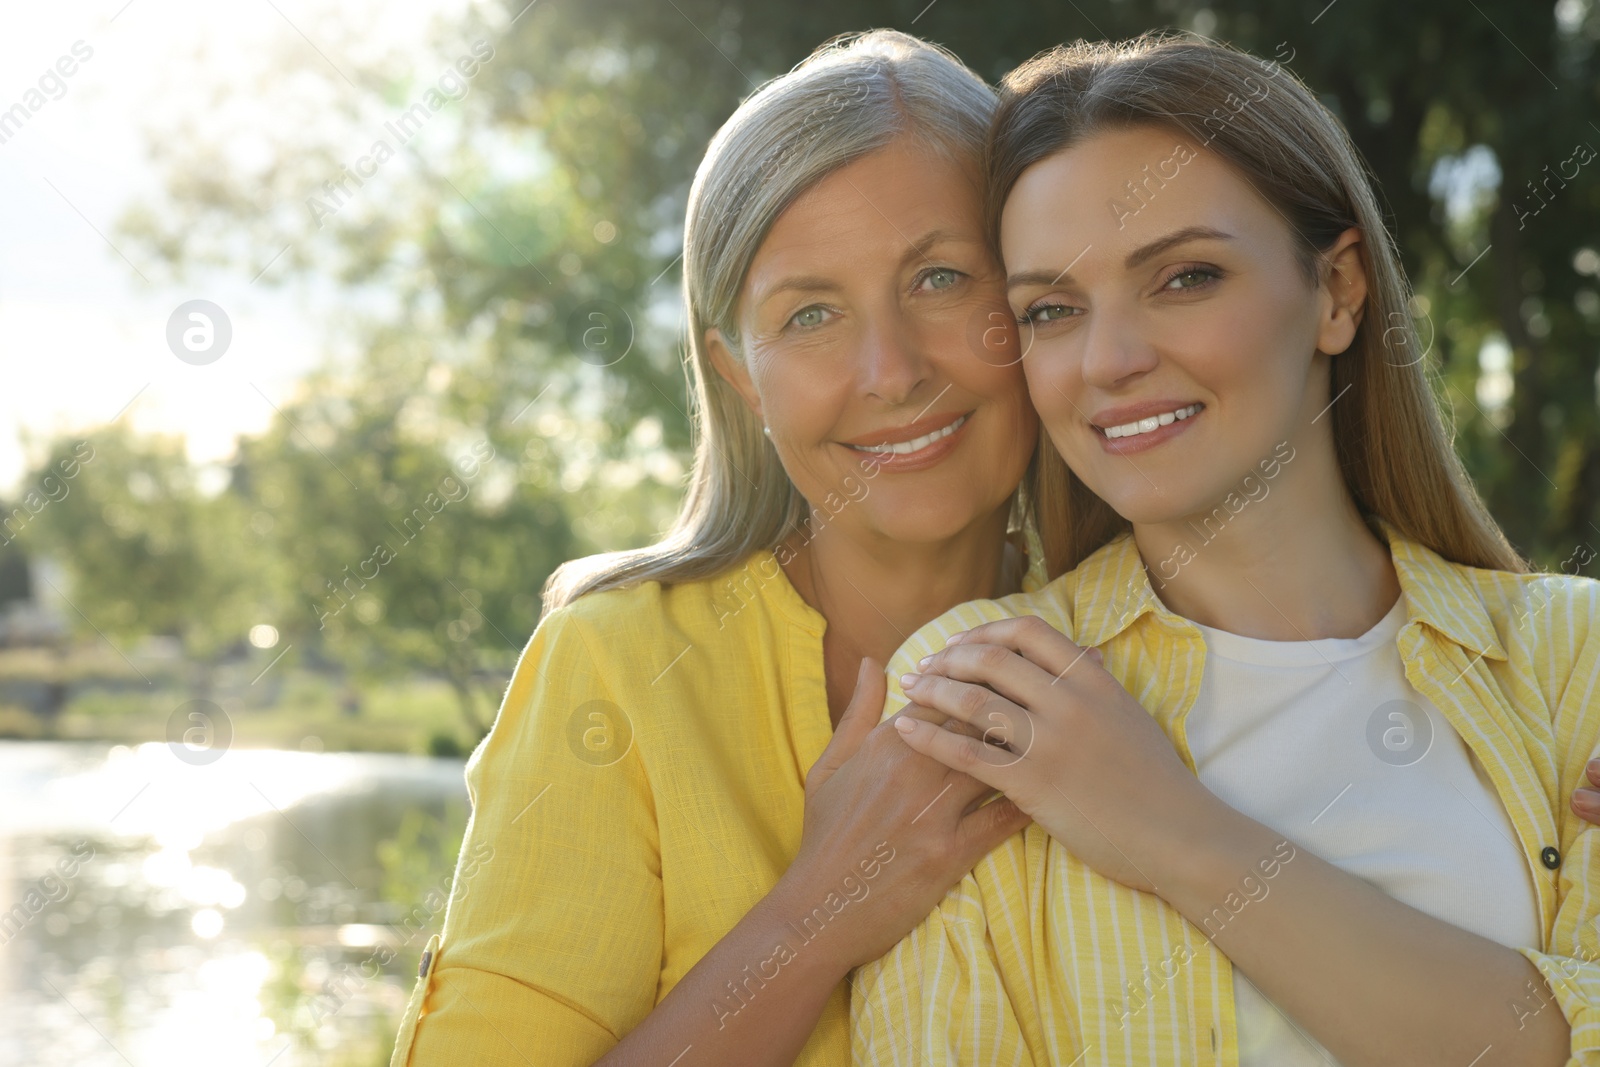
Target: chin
point(1143, 504)
point(1150, 509)
point(936, 521)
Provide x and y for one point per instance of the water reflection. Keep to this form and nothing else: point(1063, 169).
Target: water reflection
point(156, 912)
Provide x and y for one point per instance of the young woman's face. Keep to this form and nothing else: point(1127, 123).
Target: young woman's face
point(1172, 343)
point(879, 350)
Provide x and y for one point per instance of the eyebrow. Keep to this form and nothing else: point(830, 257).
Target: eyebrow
point(1136, 257)
point(816, 283)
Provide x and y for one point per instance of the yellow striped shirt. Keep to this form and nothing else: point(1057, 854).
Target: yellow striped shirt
point(1034, 959)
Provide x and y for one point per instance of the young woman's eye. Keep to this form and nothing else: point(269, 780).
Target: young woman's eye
point(939, 278)
point(1190, 278)
point(1040, 314)
point(810, 317)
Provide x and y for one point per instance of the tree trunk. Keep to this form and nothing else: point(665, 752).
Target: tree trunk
point(466, 700)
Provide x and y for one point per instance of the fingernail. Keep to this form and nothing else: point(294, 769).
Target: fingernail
point(924, 661)
point(908, 680)
point(1594, 768)
point(955, 639)
point(905, 725)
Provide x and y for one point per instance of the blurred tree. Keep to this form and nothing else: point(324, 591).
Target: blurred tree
point(147, 550)
point(15, 582)
point(411, 539)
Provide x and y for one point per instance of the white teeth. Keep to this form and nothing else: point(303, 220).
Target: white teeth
point(916, 443)
point(1145, 425)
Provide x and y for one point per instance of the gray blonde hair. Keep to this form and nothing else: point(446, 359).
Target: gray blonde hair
point(853, 95)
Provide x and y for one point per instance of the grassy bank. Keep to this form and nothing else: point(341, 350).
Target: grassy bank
point(109, 699)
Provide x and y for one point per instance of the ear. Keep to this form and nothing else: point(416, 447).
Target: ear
point(732, 370)
point(1343, 293)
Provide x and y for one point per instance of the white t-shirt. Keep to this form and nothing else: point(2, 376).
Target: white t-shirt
point(1327, 742)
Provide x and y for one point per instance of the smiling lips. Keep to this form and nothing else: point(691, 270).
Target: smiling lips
point(1149, 423)
point(914, 444)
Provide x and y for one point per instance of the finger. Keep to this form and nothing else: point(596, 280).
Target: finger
point(1593, 770)
point(958, 752)
point(989, 825)
point(937, 717)
point(860, 716)
point(923, 713)
point(996, 666)
point(1586, 804)
point(1029, 636)
point(996, 717)
point(948, 796)
point(966, 789)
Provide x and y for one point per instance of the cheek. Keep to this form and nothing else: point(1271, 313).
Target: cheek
point(1006, 385)
point(801, 405)
point(986, 364)
point(1049, 373)
point(1015, 419)
point(1268, 357)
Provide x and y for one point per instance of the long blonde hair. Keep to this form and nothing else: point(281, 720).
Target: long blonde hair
point(1393, 447)
point(852, 96)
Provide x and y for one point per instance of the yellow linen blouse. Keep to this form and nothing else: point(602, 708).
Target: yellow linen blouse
point(643, 787)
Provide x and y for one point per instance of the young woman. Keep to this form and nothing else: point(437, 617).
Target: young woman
point(1312, 795)
point(682, 838)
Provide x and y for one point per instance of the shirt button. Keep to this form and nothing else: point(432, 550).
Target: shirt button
point(1550, 857)
point(422, 969)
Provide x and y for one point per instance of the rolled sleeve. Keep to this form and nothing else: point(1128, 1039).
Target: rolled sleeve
point(552, 941)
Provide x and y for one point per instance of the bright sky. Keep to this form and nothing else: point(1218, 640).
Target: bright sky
point(82, 335)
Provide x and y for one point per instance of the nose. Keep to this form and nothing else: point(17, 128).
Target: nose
point(1114, 349)
point(892, 365)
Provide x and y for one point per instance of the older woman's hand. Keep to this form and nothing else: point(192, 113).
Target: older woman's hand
point(887, 830)
point(1066, 742)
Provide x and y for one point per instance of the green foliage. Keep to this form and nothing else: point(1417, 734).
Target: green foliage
point(421, 857)
point(410, 539)
point(149, 551)
point(555, 190)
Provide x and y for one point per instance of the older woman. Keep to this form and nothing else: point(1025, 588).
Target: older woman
point(684, 832)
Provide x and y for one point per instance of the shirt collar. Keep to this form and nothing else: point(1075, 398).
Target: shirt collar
point(1114, 591)
point(1443, 595)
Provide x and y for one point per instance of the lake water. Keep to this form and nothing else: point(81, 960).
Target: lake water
point(153, 911)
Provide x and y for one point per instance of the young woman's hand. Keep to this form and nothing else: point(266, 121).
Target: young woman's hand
point(1586, 801)
point(887, 831)
point(1064, 741)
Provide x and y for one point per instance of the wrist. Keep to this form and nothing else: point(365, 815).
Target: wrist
point(1217, 857)
point(790, 927)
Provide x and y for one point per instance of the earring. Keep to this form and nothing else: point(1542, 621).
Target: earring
point(766, 430)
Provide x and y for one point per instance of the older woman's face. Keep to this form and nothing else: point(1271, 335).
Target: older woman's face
point(880, 352)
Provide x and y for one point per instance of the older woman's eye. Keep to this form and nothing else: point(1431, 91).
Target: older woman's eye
point(940, 278)
point(806, 318)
